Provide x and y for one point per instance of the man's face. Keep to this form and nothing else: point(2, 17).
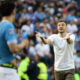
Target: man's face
point(39, 10)
point(62, 27)
point(36, 24)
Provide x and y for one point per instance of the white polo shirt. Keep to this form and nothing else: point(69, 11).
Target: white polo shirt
point(63, 52)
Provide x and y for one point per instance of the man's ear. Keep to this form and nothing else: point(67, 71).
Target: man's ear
point(14, 11)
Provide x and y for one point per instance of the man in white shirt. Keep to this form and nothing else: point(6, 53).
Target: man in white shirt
point(63, 43)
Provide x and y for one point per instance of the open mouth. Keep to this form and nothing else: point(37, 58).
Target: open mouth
point(60, 29)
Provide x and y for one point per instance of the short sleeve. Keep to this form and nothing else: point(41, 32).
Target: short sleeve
point(10, 34)
point(72, 37)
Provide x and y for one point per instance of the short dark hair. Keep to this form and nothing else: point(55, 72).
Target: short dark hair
point(62, 20)
point(6, 8)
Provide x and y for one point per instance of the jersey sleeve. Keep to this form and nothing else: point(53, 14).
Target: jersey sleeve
point(10, 34)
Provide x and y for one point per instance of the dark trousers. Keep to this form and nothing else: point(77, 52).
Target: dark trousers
point(64, 75)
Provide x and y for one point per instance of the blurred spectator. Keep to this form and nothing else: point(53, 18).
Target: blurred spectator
point(18, 15)
point(43, 75)
point(25, 5)
point(78, 17)
point(30, 14)
point(42, 49)
point(47, 11)
point(27, 27)
point(72, 27)
point(24, 14)
point(52, 8)
point(46, 25)
point(42, 4)
point(53, 26)
point(77, 41)
point(18, 34)
point(70, 15)
point(33, 70)
point(19, 5)
point(19, 22)
point(39, 14)
point(59, 9)
point(77, 61)
point(32, 48)
point(23, 67)
point(43, 31)
point(37, 26)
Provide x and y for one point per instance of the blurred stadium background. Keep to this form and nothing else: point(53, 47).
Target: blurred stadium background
point(42, 16)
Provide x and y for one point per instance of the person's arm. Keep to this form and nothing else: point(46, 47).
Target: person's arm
point(69, 39)
point(11, 39)
point(45, 41)
point(14, 47)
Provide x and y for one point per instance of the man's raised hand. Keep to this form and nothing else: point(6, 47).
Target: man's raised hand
point(67, 36)
point(38, 34)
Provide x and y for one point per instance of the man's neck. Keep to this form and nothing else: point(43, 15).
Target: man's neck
point(8, 19)
point(62, 34)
